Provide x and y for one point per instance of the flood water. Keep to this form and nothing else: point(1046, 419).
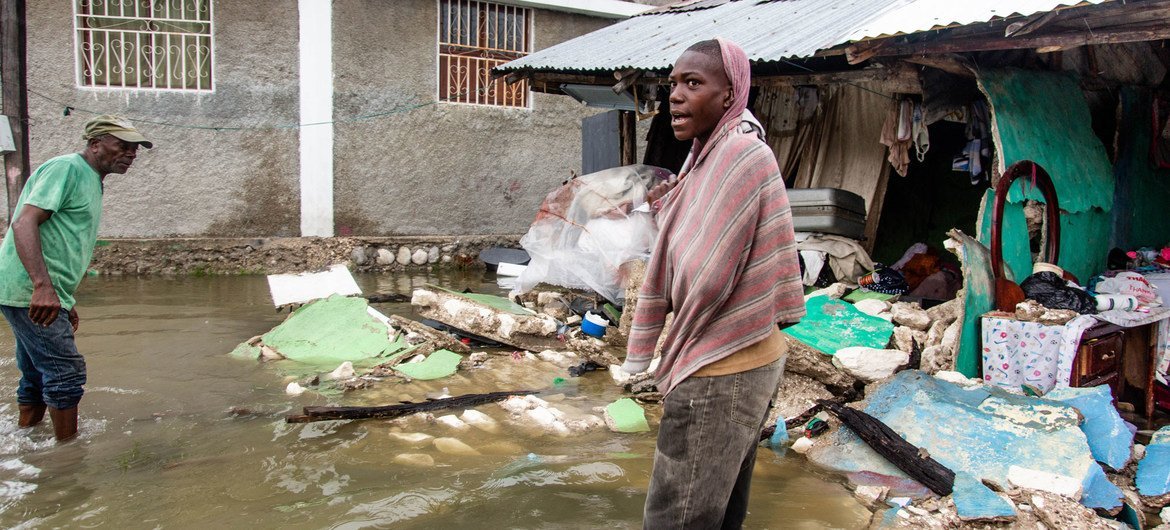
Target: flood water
point(159, 448)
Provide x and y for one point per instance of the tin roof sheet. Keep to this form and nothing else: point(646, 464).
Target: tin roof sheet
point(768, 30)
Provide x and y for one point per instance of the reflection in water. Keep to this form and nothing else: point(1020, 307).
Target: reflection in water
point(160, 448)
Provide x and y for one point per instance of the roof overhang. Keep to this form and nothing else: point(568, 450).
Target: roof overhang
point(614, 9)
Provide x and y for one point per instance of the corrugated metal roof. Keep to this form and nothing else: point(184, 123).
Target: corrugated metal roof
point(768, 30)
point(924, 15)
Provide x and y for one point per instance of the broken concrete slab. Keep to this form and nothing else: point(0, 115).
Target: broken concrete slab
point(437, 365)
point(304, 287)
point(830, 325)
point(870, 364)
point(418, 334)
point(975, 502)
point(904, 338)
point(624, 415)
point(495, 318)
point(1063, 485)
point(961, 427)
point(1109, 439)
point(1153, 472)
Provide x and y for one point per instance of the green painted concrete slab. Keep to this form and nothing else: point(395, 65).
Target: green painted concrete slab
point(330, 331)
point(627, 416)
point(830, 325)
point(440, 364)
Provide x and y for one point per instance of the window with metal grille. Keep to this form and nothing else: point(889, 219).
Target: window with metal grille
point(474, 37)
point(144, 44)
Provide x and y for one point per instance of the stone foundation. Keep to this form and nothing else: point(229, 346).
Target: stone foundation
point(291, 254)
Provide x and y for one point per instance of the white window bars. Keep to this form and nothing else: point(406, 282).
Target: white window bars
point(144, 44)
point(474, 37)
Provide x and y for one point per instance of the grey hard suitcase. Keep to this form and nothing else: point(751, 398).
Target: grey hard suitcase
point(828, 210)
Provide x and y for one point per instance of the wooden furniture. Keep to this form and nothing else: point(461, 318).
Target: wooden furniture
point(1099, 358)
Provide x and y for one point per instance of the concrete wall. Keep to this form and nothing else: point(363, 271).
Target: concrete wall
point(442, 168)
point(195, 181)
point(438, 169)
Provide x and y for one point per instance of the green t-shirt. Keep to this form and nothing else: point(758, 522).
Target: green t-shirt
point(72, 190)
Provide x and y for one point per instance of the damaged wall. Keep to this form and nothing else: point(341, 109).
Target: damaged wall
point(226, 163)
point(442, 168)
point(196, 180)
point(1142, 191)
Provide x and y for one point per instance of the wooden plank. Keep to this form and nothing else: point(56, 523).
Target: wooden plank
point(403, 409)
point(14, 78)
point(628, 132)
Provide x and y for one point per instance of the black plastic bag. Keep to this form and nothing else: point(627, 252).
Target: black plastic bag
point(1053, 292)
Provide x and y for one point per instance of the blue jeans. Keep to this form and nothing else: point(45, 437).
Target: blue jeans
point(52, 372)
point(707, 448)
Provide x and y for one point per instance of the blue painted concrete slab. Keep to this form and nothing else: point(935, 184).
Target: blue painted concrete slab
point(1153, 472)
point(1099, 492)
point(979, 432)
point(973, 500)
point(1110, 441)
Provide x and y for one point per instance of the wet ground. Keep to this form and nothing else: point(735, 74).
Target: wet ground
point(160, 449)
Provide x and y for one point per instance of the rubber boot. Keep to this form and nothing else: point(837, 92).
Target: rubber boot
point(30, 414)
point(64, 423)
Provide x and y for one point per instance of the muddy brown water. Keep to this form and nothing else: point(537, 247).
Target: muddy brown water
point(159, 448)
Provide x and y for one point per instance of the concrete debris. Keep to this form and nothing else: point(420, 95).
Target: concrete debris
point(869, 364)
point(418, 334)
point(453, 446)
point(811, 363)
point(835, 291)
point(509, 324)
point(1032, 311)
point(533, 412)
point(415, 459)
point(936, 359)
point(452, 421)
point(796, 394)
point(294, 389)
point(1058, 511)
point(904, 337)
point(343, 372)
point(957, 378)
point(564, 359)
point(1024, 478)
point(874, 307)
point(802, 445)
point(1153, 471)
point(910, 314)
point(480, 420)
point(870, 496)
point(947, 311)
point(412, 439)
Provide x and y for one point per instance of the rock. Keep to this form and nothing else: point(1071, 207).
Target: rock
point(480, 420)
point(870, 496)
point(415, 459)
point(343, 372)
point(294, 389)
point(453, 446)
point(869, 364)
point(413, 439)
point(950, 337)
point(1021, 477)
point(910, 314)
point(403, 255)
point(837, 290)
point(453, 422)
point(358, 256)
point(934, 335)
point(802, 445)
point(873, 307)
point(419, 257)
point(449, 248)
point(904, 338)
point(433, 255)
point(385, 257)
point(478, 357)
point(445, 259)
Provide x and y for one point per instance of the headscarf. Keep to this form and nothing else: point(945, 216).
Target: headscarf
point(739, 75)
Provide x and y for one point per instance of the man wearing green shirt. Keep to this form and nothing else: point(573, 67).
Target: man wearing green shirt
point(43, 257)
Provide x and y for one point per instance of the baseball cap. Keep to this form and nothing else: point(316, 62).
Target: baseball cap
point(119, 127)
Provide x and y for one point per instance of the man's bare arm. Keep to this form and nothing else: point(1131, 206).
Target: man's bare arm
point(26, 235)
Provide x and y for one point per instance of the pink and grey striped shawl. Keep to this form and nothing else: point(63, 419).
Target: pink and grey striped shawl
point(725, 260)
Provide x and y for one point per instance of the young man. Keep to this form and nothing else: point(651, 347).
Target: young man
point(43, 257)
point(725, 264)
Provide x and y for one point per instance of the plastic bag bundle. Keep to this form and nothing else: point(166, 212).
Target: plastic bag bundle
point(587, 229)
point(1053, 292)
point(1131, 284)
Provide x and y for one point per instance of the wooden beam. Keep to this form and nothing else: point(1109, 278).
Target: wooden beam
point(628, 135)
point(1051, 42)
point(898, 78)
point(14, 77)
point(953, 64)
point(1032, 23)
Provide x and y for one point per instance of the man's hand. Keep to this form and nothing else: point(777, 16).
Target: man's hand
point(660, 190)
point(74, 320)
point(45, 305)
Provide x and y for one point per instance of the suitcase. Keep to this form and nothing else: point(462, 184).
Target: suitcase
point(828, 211)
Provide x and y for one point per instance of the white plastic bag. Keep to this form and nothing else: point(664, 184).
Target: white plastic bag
point(588, 228)
point(1132, 284)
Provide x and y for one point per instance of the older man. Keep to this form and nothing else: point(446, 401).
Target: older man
point(43, 257)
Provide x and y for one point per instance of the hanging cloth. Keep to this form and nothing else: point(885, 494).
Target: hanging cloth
point(921, 135)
